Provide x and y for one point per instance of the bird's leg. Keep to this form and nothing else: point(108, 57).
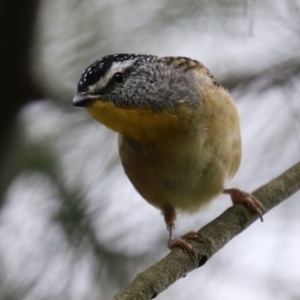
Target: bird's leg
point(170, 218)
point(238, 196)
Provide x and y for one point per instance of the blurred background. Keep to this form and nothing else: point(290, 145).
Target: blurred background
point(71, 224)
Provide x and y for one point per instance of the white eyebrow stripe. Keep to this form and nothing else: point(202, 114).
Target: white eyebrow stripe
point(117, 66)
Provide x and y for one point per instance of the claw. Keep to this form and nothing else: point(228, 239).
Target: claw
point(238, 196)
point(182, 243)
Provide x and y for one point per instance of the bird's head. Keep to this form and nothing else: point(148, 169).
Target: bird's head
point(143, 97)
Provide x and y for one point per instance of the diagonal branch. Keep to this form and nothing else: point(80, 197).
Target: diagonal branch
point(148, 284)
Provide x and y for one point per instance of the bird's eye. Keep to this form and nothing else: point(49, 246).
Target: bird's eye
point(119, 78)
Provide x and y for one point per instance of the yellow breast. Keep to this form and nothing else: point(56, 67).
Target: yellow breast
point(139, 124)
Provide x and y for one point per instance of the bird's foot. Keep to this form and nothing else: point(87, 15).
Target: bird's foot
point(182, 243)
point(238, 196)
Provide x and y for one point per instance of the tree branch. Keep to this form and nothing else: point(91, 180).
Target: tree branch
point(148, 284)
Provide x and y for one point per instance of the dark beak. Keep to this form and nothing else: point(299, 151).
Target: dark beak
point(82, 99)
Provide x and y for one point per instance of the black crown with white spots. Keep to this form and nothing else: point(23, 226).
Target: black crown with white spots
point(99, 68)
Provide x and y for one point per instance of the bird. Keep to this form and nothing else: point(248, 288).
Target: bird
point(179, 131)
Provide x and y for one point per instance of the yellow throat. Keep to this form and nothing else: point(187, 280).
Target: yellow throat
point(141, 125)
